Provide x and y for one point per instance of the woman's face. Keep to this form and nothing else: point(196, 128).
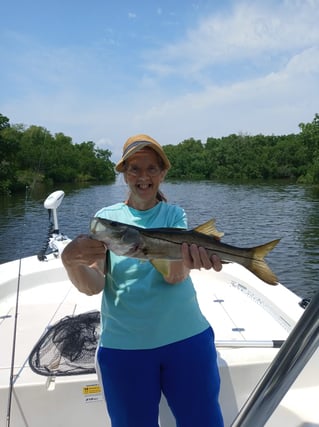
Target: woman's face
point(143, 174)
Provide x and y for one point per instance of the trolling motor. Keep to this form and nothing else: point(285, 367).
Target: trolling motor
point(52, 202)
point(55, 240)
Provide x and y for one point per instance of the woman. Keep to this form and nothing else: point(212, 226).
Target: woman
point(154, 337)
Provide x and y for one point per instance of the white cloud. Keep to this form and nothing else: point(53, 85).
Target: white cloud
point(268, 104)
point(256, 32)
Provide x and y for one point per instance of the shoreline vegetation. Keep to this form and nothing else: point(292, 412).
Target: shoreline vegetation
point(30, 156)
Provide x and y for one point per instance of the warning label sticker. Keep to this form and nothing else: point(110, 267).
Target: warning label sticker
point(92, 393)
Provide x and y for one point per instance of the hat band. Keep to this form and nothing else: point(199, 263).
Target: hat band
point(135, 144)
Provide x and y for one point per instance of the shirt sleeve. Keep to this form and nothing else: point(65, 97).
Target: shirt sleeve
point(180, 218)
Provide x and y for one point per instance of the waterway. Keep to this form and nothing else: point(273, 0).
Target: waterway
point(248, 214)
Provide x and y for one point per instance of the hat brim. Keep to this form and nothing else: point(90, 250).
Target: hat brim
point(137, 146)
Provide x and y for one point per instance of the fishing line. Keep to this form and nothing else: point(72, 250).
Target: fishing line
point(40, 159)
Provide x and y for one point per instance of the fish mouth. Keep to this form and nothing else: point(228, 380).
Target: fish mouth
point(135, 248)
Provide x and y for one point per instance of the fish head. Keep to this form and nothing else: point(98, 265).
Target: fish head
point(120, 238)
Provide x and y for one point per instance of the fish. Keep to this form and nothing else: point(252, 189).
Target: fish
point(161, 245)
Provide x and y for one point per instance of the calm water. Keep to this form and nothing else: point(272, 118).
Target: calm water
point(247, 214)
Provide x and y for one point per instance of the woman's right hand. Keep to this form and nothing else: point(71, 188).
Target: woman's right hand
point(83, 250)
point(84, 260)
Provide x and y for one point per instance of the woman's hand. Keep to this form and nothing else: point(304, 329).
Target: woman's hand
point(84, 261)
point(83, 251)
point(196, 257)
point(178, 272)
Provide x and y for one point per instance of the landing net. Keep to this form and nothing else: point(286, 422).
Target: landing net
point(68, 347)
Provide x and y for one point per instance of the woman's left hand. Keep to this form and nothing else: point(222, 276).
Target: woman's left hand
point(178, 272)
point(196, 257)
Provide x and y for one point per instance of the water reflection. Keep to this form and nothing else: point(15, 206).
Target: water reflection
point(248, 215)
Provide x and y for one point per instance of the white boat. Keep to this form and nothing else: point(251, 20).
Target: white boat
point(267, 346)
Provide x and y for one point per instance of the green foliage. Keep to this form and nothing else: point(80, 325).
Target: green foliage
point(187, 158)
point(245, 157)
point(309, 139)
point(32, 155)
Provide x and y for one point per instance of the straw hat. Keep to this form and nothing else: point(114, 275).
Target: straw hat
point(136, 143)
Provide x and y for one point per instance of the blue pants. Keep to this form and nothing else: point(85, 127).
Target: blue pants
point(185, 371)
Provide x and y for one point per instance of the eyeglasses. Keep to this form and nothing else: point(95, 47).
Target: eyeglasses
point(137, 171)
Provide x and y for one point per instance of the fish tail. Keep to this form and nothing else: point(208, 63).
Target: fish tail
point(258, 265)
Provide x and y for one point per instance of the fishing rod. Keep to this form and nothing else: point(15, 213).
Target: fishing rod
point(14, 335)
point(14, 340)
point(56, 241)
point(28, 191)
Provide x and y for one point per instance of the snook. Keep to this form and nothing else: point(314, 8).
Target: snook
point(160, 245)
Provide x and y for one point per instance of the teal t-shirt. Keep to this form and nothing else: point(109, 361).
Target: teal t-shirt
point(139, 309)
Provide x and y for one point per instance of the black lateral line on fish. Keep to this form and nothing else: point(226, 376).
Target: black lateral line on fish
point(219, 250)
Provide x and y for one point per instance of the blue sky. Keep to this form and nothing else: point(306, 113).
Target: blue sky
point(103, 70)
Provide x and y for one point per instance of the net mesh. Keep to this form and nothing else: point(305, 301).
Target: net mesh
point(68, 347)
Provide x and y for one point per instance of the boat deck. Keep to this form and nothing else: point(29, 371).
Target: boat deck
point(43, 305)
point(247, 321)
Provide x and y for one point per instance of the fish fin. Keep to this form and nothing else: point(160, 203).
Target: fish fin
point(209, 229)
point(259, 267)
point(262, 250)
point(161, 265)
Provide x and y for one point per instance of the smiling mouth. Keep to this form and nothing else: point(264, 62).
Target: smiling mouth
point(144, 186)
